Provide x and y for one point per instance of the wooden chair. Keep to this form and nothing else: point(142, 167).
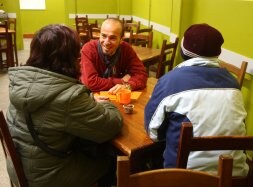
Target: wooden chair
point(11, 154)
point(81, 19)
point(4, 57)
point(127, 20)
point(238, 72)
point(188, 143)
point(174, 177)
point(167, 57)
point(83, 30)
point(128, 27)
point(12, 25)
point(143, 37)
point(86, 30)
point(94, 30)
point(135, 26)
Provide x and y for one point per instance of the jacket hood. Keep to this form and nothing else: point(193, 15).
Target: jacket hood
point(35, 87)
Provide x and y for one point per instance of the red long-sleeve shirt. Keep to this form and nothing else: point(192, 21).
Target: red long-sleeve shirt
point(93, 68)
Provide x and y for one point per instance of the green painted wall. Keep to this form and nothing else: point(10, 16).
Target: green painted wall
point(140, 8)
point(233, 18)
point(97, 6)
point(3, 4)
point(33, 20)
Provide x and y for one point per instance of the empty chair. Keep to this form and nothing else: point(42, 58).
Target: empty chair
point(143, 37)
point(11, 154)
point(188, 143)
point(174, 177)
point(12, 26)
point(95, 33)
point(94, 30)
point(145, 29)
point(167, 58)
point(127, 20)
point(81, 20)
point(135, 26)
point(83, 30)
point(238, 72)
point(4, 50)
point(86, 30)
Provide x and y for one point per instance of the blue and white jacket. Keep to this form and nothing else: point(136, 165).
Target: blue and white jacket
point(209, 97)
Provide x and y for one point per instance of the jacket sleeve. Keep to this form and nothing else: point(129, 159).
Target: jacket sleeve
point(98, 122)
point(155, 114)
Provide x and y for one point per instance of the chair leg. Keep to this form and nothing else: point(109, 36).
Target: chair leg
point(1, 61)
point(12, 185)
point(16, 54)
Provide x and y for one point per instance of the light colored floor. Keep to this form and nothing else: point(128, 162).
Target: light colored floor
point(4, 102)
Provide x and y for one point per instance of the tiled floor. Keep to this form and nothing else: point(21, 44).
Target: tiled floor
point(4, 102)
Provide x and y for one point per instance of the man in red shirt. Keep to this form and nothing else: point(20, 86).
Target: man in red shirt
point(108, 63)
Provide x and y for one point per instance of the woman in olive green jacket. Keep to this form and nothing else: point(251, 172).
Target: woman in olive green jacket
point(61, 109)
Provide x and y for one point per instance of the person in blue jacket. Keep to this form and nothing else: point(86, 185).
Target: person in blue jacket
point(200, 92)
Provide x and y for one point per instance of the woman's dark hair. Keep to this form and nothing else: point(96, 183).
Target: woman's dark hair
point(56, 48)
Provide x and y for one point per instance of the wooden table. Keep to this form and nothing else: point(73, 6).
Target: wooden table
point(133, 140)
point(148, 56)
point(10, 54)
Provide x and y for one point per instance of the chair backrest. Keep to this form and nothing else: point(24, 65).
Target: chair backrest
point(188, 143)
point(94, 30)
point(145, 30)
point(81, 20)
point(10, 152)
point(12, 24)
point(4, 63)
point(174, 177)
point(238, 72)
point(80, 24)
point(95, 33)
point(167, 57)
point(135, 26)
point(144, 37)
point(83, 30)
point(4, 34)
point(127, 20)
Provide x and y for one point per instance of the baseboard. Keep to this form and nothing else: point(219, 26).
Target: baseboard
point(27, 35)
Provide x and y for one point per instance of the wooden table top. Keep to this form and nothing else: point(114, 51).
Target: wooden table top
point(133, 135)
point(147, 54)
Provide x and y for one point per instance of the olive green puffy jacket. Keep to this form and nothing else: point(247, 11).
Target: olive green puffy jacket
point(61, 109)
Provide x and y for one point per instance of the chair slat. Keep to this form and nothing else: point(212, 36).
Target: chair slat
point(188, 143)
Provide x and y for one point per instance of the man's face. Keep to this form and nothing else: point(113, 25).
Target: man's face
point(110, 36)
